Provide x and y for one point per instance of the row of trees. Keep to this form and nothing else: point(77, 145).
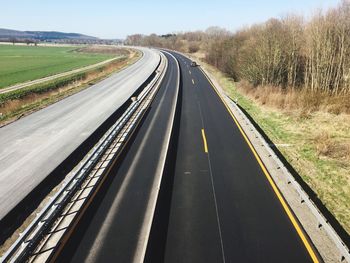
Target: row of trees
point(288, 52)
point(14, 40)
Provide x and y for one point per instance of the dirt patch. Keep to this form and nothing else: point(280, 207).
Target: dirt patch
point(329, 147)
point(114, 50)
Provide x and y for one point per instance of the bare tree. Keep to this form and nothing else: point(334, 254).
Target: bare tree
point(287, 52)
point(328, 50)
point(13, 40)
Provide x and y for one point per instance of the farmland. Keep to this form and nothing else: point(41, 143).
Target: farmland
point(23, 63)
point(20, 102)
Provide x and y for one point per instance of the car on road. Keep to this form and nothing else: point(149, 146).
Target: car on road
point(194, 64)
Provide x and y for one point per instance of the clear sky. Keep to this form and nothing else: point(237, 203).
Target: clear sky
point(119, 18)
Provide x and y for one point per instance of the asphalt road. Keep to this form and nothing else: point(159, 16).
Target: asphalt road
point(33, 146)
point(223, 208)
point(215, 203)
point(118, 227)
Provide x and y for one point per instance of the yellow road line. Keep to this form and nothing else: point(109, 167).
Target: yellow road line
point(272, 183)
point(192, 81)
point(204, 141)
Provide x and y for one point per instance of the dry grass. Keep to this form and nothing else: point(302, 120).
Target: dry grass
point(328, 147)
point(105, 50)
point(296, 100)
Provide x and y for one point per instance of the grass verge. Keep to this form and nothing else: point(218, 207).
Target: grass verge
point(315, 143)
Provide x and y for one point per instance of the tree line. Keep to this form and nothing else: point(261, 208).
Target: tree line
point(290, 52)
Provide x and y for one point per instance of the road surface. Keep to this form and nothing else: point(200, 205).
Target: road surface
point(35, 145)
point(221, 206)
point(118, 230)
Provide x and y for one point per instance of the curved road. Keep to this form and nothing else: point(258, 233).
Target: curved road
point(214, 205)
point(34, 146)
point(222, 208)
point(117, 231)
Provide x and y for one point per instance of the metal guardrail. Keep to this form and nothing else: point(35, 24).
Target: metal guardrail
point(33, 234)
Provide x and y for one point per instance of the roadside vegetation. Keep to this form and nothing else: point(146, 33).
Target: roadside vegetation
point(18, 103)
point(23, 63)
point(292, 75)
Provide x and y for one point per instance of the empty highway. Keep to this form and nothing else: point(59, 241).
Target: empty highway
point(223, 208)
point(215, 203)
point(32, 147)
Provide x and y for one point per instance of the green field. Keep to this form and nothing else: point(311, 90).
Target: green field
point(23, 63)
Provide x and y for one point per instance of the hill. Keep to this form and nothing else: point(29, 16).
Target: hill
point(6, 34)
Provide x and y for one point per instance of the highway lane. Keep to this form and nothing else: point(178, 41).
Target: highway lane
point(34, 146)
point(117, 226)
point(223, 208)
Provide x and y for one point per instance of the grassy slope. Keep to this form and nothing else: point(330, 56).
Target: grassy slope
point(300, 140)
point(23, 63)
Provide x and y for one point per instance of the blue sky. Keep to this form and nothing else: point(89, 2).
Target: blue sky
point(117, 19)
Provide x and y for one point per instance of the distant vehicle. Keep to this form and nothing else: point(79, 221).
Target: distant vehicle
point(194, 64)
